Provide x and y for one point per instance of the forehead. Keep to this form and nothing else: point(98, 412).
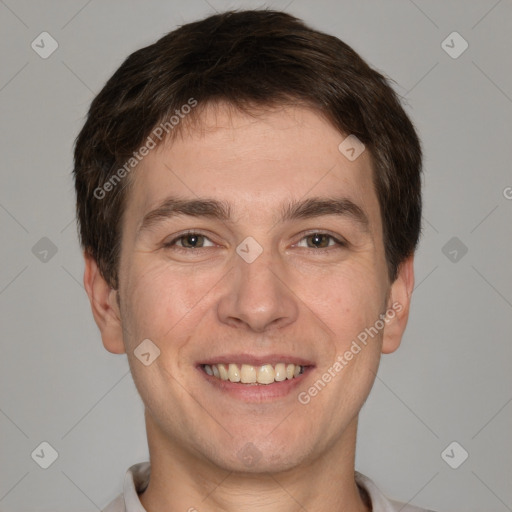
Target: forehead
point(254, 163)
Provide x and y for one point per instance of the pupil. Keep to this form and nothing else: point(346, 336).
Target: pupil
point(192, 240)
point(318, 240)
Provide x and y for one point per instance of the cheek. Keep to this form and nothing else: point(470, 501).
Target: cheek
point(161, 302)
point(347, 300)
point(164, 306)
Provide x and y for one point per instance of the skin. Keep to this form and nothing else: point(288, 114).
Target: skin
point(195, 303)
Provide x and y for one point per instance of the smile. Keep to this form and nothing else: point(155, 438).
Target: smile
point(249, 374)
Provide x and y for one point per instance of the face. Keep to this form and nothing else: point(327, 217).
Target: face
point(253, 247)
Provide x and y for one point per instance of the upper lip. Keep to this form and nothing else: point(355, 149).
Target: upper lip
point(257, 360)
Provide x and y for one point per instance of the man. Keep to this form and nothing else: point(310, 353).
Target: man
point(249, 204)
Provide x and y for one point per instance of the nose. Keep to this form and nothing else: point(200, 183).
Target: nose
point(257, 296)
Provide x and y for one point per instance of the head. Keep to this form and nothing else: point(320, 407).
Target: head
point(220, 218)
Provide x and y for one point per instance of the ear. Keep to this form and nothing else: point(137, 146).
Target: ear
point(105, 308)
point(398, 306)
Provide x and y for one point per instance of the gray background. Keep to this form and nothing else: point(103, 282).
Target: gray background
point(450, 380)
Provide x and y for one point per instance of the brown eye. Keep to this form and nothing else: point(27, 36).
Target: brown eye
point(192, 241)
point(318, 240)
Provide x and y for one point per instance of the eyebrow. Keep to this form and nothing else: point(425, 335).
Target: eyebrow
point(220, 210)
point(172, 207)
point(320, 206)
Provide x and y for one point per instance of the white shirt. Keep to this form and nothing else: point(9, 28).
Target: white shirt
point(137, 479)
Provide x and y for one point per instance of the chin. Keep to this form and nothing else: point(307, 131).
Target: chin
point(253, 457)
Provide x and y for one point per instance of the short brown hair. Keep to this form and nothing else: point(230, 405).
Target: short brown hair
point(246, 59)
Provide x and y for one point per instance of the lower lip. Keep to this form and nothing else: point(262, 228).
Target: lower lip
point(256, 392)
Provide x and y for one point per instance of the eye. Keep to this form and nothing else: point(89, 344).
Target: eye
point(319, 241)
point(190, 241)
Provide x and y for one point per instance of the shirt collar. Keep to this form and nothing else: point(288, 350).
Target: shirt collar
point(135, 482)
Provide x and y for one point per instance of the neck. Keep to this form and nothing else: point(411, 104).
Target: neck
point(180, 481)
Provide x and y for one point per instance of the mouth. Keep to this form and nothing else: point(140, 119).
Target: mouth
point(255, 379)
point(245, 373)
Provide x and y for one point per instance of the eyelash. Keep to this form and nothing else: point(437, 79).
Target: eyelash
point(338, 241)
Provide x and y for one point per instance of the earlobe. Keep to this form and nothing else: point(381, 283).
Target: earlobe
point(104, 306)
point(397, 312)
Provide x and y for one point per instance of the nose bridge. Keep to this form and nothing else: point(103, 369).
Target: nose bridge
point(258, 277)
point(257, 296)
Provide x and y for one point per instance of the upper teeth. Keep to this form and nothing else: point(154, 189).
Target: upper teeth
point(248, 374)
